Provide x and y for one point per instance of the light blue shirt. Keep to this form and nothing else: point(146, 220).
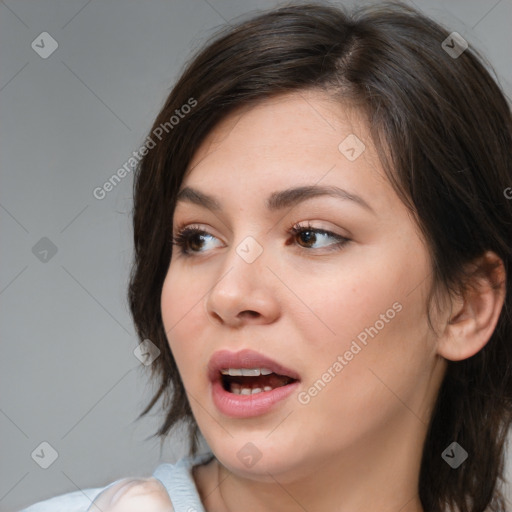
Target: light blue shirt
point(177, 479)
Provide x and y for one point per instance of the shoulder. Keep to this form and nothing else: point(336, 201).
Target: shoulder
point(133, 495)
point(76, 501)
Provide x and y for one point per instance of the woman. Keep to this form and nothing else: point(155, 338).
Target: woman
point(322, 255)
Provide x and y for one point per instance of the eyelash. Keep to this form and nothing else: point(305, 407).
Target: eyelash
point(184, 235)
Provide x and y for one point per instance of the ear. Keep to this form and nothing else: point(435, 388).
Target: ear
point(475, 315)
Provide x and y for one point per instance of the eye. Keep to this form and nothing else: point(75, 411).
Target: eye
point(190, 240)
point(310, 234)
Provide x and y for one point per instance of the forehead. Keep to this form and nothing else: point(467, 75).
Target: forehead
point(307, 119)
point(293, 139)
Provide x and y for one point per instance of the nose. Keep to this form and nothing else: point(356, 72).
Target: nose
point(244, 292)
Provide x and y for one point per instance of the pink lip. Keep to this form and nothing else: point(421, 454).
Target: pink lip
point(246, 406)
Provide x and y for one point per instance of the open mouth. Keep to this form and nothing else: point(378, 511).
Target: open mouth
point(246, 384)
point(250, 381)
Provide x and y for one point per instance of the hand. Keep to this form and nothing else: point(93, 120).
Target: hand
point(133, 495)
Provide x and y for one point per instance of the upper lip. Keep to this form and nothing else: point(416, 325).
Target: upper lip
point(223, 359)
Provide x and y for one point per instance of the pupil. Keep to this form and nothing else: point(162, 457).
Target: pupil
point(195, 238)
point(308, 235)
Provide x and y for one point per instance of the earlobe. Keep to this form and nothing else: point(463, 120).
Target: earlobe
point(475, 316)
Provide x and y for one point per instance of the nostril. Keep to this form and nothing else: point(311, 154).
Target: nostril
point(250, 313)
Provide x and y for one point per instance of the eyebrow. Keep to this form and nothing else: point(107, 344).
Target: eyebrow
point(277, 200)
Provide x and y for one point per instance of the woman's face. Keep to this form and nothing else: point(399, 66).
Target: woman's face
point(344, 312)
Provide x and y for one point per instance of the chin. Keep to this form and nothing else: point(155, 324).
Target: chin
point(258, 458)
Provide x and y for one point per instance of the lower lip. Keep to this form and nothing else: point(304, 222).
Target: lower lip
point(247, 406)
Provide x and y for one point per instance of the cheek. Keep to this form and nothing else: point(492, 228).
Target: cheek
point(373, 306)
point(353, 388)
point(382, 350)
point(182, 310)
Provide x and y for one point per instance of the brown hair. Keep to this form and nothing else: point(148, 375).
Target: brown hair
point(443, 131)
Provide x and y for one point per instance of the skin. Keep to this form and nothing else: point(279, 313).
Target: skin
point(303, 305)
point(133, 495)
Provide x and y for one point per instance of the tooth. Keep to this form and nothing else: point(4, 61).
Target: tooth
point(235, 391)
point(255, 390)
point(267, 388)
point(246, 372)
point(250, 372)
point(245, 391)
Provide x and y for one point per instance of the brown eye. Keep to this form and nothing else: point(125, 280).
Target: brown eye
point(190, 240)
point(310, 235)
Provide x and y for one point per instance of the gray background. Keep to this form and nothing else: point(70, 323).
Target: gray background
point(68, 375)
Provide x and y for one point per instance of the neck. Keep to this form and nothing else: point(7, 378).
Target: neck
point(372, 476)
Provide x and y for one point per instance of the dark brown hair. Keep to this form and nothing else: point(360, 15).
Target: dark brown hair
point(443, 131)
